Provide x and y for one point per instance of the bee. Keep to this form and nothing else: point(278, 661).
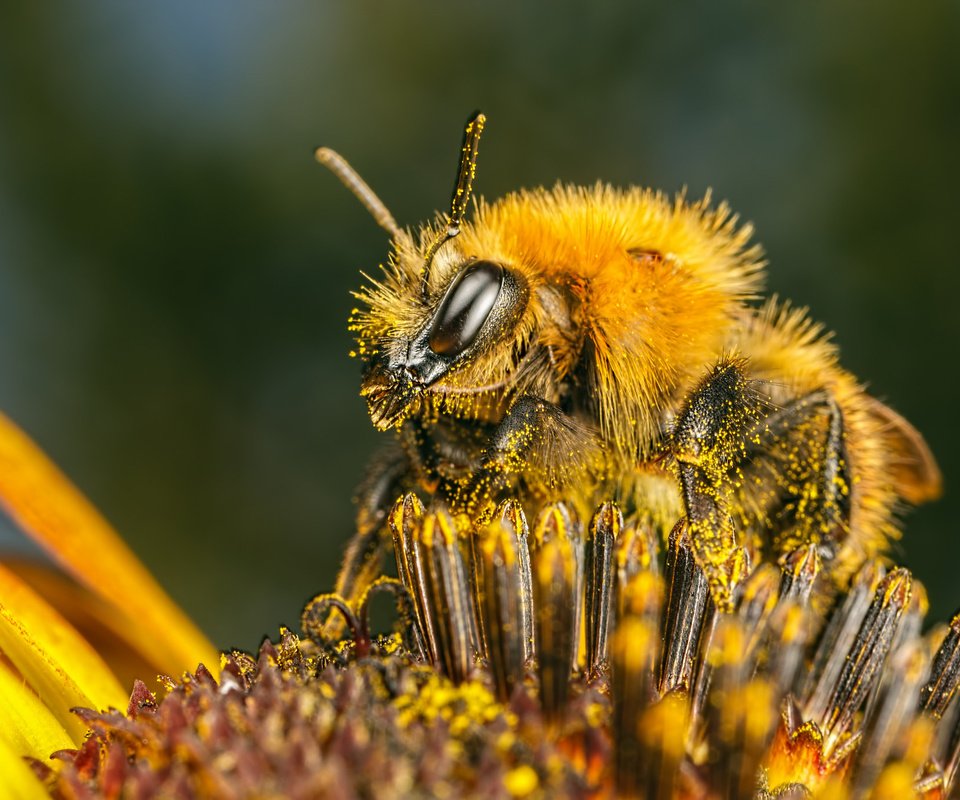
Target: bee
point(591, 342)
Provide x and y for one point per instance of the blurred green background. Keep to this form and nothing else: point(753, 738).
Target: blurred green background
point(175, 270)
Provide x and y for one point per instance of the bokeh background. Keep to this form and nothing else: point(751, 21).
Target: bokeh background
point(175, 270)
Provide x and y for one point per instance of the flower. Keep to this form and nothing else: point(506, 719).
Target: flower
point(557, 659)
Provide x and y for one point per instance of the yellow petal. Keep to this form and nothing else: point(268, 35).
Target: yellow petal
point(43, 502)
point(91, 616)
point(27, 725)
point(32, 632)
point(19, 782)
point(48, 678)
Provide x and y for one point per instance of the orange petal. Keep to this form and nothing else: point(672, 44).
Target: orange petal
point(27, 725)
point(43, 502)
point(19, 782)
point(35, 637)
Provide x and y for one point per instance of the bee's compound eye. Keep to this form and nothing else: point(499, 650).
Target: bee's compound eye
point(465, 307)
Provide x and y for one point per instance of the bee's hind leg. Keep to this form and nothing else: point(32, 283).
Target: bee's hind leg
point(798, 472)
point(778, 476)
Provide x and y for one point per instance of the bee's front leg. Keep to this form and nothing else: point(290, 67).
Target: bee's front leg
point(386, 480)
point(708, 443)
point(537, 440)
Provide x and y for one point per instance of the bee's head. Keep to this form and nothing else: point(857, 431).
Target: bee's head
point(438, 310)
point(436, 336)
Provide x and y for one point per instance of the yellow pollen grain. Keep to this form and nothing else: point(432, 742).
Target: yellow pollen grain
point(461, 707)
point(391, 644)
point(521, 781)
point(595, 715)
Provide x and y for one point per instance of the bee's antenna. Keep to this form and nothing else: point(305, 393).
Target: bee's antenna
point(461, 192)
point(349, 177)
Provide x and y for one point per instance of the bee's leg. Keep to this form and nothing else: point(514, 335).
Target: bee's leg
point(708, 443)
point(797, 471)
point(362, 561)
point(535, 437)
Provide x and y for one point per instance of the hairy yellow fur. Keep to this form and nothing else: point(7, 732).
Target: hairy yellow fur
point(655, 326)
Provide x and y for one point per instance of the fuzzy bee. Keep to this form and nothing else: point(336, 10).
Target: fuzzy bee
point(596, 343)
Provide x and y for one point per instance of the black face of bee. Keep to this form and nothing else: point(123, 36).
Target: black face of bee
point(479, 305)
